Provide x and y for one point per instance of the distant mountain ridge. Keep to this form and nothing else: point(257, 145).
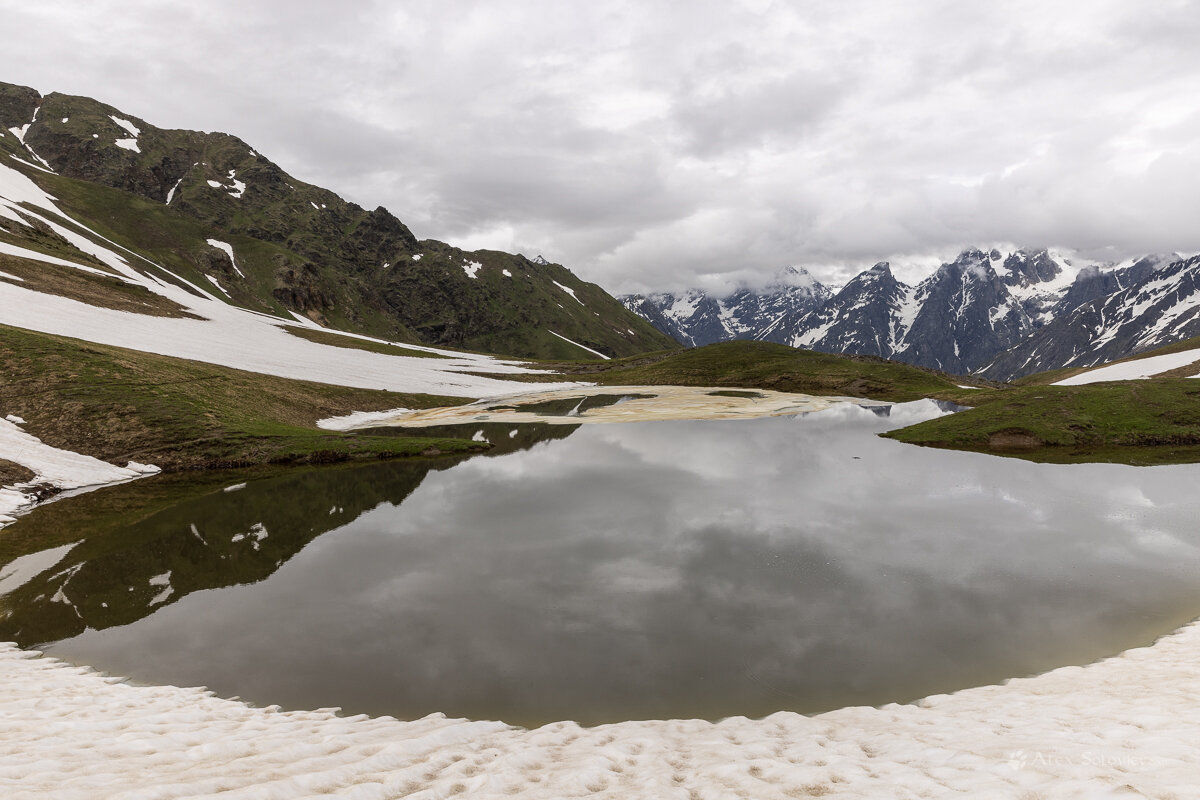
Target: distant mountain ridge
point(696, 318)
point(1001, 315)
point(1138, 308)
point(219, 214)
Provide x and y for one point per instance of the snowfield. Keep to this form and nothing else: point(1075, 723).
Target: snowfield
point(1136, 370)
point(1128, 726)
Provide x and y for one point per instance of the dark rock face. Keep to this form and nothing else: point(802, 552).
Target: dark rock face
point(982, 310)
point(965, 314)
point(696, 318)
point(17, 104)
point(1156, 307)
point(858, 319)
point(955, 320)
point(651, 309)
point(1092, 283)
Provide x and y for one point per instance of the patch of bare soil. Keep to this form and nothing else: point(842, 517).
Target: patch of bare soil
point(12, 473)
point(1014, 439)
point(1186, 371)
point(84, 287)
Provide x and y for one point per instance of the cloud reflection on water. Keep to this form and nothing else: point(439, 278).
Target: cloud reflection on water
point(696, 569)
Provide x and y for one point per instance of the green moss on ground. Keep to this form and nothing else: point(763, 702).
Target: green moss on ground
point(1126, 422)
point(121, 405)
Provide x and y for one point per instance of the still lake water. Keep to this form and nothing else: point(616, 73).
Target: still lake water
point(611, 572)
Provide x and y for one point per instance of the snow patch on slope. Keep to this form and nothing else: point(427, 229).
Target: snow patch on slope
point(62, 469)
point(1138, 369)
point(239, 187)
point(133, 131)
point(577, 344)
point(569, 291)
point(358, 419)
point(226, 248)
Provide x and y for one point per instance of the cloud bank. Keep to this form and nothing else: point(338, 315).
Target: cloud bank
point(657, 145)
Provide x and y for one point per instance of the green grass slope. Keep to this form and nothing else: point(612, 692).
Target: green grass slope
point(1128, 422)
point(121, 405)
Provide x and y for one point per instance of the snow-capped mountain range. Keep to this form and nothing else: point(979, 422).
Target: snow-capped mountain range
point(1001, 315)
point(696, 318)
point(1150, 303)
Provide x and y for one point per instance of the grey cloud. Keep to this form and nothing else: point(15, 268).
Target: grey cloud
point(653, 146)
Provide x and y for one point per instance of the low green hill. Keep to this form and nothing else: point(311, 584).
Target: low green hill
point(764, 365)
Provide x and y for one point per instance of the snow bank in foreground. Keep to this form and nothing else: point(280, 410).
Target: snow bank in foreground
point(1125, 727)
point(60, 468)
point(1135, 370)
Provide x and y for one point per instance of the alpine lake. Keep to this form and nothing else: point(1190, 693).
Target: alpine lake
point(645, 570)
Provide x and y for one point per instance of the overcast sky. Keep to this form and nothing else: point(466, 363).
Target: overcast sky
point(655, 145)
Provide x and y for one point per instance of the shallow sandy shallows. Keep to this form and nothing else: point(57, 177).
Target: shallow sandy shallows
point(1124, 727)
point(637, 404)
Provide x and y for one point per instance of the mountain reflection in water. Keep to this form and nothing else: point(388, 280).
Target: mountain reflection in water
point(201, 533)
point(646, 570)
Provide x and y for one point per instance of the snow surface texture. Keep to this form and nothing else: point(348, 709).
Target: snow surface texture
point(1137, 369)
point(60, 468)
point(1128, 726)
point(228, 336)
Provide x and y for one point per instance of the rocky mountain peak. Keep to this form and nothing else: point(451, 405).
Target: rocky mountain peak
point(17, 105)
point(1024, 268)
point(882, 271)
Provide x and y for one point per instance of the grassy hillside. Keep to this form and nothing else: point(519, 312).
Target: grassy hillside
point(120, 405)
point(297, 248)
